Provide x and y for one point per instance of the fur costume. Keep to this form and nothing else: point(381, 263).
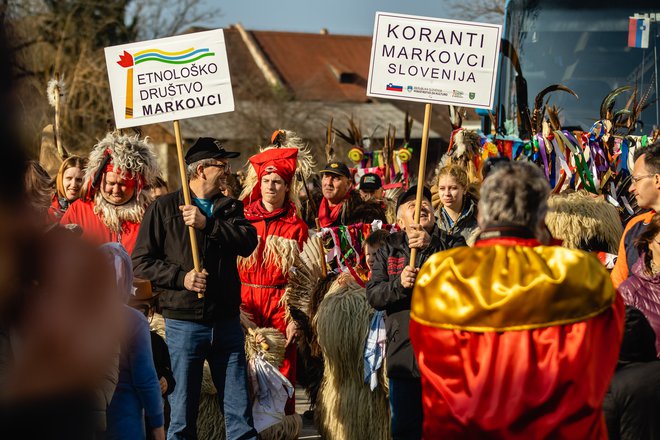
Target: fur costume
point(273, 350)
point(281, 234)
point(133, 159)
point(347, 408)
point(584, 221)
point(303, 294)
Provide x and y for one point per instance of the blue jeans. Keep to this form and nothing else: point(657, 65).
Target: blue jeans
point(222, 344)
point(406, 408)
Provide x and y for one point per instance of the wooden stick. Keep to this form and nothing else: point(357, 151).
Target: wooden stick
point(324, 269)
point(420, 175)
point(58, 131)
point(187, 200)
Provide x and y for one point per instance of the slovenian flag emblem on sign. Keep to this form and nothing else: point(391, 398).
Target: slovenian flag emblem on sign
point(638, 32)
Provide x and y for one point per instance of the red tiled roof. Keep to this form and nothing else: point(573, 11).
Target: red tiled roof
point(247, 79)
point(309, 64)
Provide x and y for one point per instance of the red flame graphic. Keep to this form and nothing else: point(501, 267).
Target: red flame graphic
point(125, 60)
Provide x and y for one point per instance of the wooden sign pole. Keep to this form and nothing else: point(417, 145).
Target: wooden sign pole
point(324, 269)
point(186, 198)
point(420, 176)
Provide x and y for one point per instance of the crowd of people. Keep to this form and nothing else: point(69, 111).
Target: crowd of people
point(513, 336)
point(476, 321)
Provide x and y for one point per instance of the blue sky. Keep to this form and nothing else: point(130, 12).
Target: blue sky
point(354, 17)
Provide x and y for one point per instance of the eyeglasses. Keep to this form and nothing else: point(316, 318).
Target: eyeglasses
point(638, 178)
point(226, 167)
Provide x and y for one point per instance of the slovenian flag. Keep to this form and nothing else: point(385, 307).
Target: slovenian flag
point(638, 32)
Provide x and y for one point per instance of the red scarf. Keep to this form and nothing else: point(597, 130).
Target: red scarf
point(328, 215)
point(255, 211)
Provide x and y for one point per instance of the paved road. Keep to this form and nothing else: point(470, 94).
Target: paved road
point(302, 404)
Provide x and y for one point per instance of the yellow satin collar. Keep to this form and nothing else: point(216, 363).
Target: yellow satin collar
point(497, 288)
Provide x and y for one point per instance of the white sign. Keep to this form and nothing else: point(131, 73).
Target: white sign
point(434, 60)
point(169, 79)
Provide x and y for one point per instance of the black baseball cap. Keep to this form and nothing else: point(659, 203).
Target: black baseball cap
point(370, 182)
point(338, 168)
point(208, 148)
point(411, 193)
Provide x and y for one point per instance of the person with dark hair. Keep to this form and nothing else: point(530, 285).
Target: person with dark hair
point(158, 188)
point(340, 200)
point(390, 289)
point(39, 189)
point(632, 403)
point(233, 188)
point(371, 187)
point(645, 187)
point(492, 163)
point(642, 288)
point(373, 242)
point(515, 339)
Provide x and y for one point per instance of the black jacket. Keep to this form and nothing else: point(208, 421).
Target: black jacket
point(163, 255)
point(632, 404)
point(385, 292)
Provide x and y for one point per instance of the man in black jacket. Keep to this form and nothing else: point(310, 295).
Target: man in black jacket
point(206, 327)
point(390, 289)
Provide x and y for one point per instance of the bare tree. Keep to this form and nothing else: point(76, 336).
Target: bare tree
point(491, 11)
point(67, 37)
point(163, 18)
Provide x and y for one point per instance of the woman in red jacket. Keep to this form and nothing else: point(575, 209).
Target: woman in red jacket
point(270, 207)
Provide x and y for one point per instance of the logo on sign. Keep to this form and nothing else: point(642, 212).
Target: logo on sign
point(394, 88)
point(471, 95)
point(457, 94)
point(410, 89)
point(128, 60)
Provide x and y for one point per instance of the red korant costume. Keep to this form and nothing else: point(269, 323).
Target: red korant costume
point(82, 213)
point(281, 236)
point(515, 341)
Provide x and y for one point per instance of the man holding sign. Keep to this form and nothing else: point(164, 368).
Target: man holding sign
point(390, 289)
point(201, 327)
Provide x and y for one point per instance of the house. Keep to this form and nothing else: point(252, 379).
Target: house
point(299, 81)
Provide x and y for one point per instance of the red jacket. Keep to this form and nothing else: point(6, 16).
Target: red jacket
point(82, 214)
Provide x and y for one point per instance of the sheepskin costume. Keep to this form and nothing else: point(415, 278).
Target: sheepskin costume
point(130, 157)
point(306, 288)
point(584, 221)
point(273, 352)
point(347, 409)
